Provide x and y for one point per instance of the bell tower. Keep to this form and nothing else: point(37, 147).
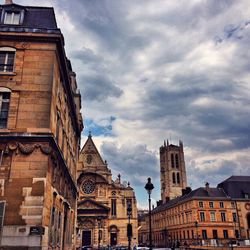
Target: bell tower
point(173, 171)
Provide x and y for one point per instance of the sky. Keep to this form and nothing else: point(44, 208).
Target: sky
point(154, 70)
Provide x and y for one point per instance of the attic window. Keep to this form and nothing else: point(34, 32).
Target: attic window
point(12, 17)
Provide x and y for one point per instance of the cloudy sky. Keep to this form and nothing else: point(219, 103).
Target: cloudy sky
point(155, 70)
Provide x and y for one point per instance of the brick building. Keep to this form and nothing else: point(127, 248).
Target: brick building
point(103, 203)
point(40, 126)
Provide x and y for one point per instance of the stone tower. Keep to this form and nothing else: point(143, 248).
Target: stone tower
point(173, 171)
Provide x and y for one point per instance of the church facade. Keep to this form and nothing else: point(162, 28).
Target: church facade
point(102, 208)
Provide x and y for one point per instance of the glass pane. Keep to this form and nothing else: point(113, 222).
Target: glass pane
point(8, 17)
point(10, 59)
point(16, 18)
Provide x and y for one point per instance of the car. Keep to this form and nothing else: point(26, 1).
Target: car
point(86, 248)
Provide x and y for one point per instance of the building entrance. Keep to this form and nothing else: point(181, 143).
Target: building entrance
point(86, 238)
point(113, 239)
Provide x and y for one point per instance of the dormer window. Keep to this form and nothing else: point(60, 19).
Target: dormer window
point(12, 17)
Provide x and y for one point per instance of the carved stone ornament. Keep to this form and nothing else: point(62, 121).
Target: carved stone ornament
point(247, 206)
point(86, 223)
point(28, 148)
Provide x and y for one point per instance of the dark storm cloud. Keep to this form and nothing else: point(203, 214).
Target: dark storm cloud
point(99, 88)
point(134, 162)
point(201, 105)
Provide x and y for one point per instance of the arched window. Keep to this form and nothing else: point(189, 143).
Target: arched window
point(172, 160)
point(173, 177)
point(4, 106)
point(176, 161)
point(7, 56)
point(178, 178)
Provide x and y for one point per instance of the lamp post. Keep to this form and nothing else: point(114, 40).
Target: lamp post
point(149, 187)
point(129, 227)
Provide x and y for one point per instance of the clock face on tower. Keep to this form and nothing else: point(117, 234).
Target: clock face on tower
point(88, 186)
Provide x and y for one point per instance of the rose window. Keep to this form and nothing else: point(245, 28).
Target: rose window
point(88, 187)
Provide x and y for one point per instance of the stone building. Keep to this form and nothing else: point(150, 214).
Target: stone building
point(102, 213)
point(238, 189)
point(40, 126)
point(173, 171)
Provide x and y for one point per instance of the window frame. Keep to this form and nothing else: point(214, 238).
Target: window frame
point(202, 216)
point(7, 51)
point(13, 17)
point(211, 204)
point(212, 216)
point(4, 120)
point(223, 216)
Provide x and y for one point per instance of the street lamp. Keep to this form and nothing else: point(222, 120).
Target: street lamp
point(149, 187)
point(129, 228)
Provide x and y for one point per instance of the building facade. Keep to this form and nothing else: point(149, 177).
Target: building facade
point(238, 189)
point(40, 126)
point(173, 171)
point(102, 210)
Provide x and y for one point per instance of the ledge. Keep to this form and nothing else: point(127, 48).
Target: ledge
point(7, 73)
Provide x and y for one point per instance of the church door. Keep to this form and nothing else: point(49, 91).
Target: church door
point(113, 239)
point(86, 238)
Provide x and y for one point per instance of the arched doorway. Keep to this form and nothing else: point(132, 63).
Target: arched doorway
point(113, 235)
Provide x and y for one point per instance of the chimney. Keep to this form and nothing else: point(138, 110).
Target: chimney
point(159, 203)
point(167, 199)
point(207, 186)
point(8, 2)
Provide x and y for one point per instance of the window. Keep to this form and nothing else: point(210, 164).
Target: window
point(4, 106)
point(221, 204)
point(211, 204)
point(12, 17)
point(225, 234)
point(223, 216)
point(113, 207)
point(204, 234)
point(173, 176)
point(58, 126)
point(178, 178)
point(7, 56)
point(202, 216)
point(2, 211)
point(237, 235)
point(215, 234)
point(234, 215)
point(172, 160)
point(212, 216)
point(176, 161)
point(232, 204)
point(200, 203)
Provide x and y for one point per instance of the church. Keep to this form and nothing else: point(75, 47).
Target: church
point(105, 207)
